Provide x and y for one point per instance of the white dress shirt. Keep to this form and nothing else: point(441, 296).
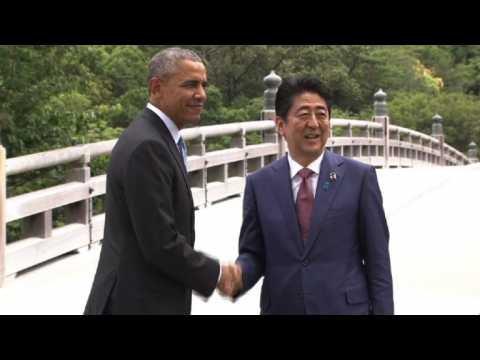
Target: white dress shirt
point(171, 126)
point(297, 180)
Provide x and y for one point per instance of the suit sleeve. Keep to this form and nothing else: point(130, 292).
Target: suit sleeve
point(149, 183)
point(251, 245)
point(374, 237)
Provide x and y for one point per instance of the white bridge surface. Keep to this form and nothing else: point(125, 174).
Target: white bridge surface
point(433, 219)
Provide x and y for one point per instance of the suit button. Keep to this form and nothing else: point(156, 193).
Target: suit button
point(306, 262)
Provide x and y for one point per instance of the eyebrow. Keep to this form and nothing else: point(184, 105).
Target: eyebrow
point(303, 108)
point(195, 82)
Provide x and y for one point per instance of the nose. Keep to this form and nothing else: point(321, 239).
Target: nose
point(201, 93)
point(313, 121)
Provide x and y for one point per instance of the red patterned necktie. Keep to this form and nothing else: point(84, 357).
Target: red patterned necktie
point(304, 203)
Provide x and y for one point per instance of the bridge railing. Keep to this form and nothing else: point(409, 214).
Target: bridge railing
point(364, 141)
point(410, 148)
point(213, 174)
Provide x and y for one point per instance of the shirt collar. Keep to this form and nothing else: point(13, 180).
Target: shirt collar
point(172, 128)
point(296, 167)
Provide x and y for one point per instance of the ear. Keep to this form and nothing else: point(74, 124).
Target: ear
point(155, 86)
point(280, 123)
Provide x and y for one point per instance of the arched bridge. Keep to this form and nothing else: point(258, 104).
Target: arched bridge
point(214, 175)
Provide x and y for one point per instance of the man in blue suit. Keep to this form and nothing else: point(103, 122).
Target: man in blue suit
point(314, 224)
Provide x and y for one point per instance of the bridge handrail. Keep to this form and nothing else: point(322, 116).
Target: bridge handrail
point(413, 133)
point(56, 157)
point(456, 152)
point(22, 164)
point(215, 175)
point(86, 152)
point(218, 173)
point(355, 123)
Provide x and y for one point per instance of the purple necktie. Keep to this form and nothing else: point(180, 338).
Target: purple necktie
point(304, 203)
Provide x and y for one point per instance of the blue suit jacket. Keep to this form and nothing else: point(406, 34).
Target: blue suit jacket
point(343, 267)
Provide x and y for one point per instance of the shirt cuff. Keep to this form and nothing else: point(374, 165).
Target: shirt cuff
point(219, 274)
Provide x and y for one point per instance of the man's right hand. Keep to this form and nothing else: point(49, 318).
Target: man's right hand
point(231, 280)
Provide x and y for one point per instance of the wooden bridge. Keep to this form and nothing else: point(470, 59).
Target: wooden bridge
point(214, 175)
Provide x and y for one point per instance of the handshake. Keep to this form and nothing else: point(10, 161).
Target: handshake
point(230, 282)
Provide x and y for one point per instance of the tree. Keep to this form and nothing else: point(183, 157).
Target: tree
point(460, 114)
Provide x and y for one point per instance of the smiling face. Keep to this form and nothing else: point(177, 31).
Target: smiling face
point(182, 95)
point(306, 128)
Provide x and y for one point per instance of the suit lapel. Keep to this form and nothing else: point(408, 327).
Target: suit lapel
point(327, 188)
point(172, 147)
point(282, 190)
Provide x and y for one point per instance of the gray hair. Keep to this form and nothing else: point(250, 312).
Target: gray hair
point(166, 61)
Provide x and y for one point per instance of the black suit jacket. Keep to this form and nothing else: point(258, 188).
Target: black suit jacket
point(147, 263)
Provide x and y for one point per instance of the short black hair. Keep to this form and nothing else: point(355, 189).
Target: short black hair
point(294, 86)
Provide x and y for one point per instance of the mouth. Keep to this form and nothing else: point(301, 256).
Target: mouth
point(195, 109)
point(311, 136)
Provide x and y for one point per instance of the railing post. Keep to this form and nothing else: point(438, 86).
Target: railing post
point(437, 133)
point(239, 140)
point(82, 211)
point(198, 178)
point(399, 149)
point(410, 149)
point(38, 225)
point(272, 83)
point(381, 116)
point(472, 153)
point(369, 152)
point(3, 205)
point(197, 146)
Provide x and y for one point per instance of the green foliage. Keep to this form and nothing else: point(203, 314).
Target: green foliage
point(55, 96)
point(125, 69)
point(460, 114)
point(254, 137)
point(338, 113)
point(244, 109)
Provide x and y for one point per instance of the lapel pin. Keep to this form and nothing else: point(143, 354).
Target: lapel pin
point(333, 176)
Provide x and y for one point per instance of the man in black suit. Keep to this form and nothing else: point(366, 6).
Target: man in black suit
point(147, 263)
